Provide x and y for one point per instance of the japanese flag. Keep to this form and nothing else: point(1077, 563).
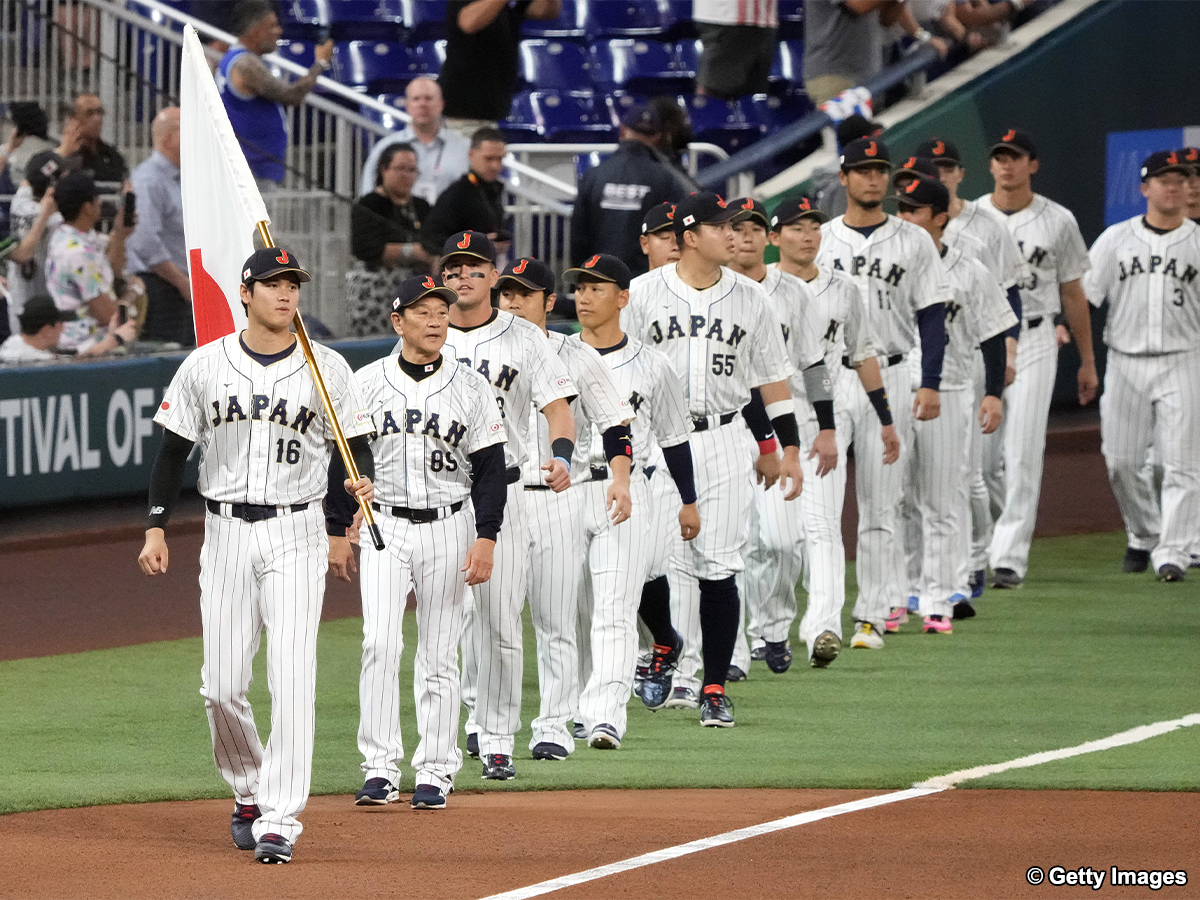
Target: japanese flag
point(221, 203)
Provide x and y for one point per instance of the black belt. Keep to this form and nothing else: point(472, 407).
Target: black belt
point(420, 516)
point(893, 360)
point(251, 512)
point(513, 475)
point(537, 487)
point(703, 423)
point(1034, 322)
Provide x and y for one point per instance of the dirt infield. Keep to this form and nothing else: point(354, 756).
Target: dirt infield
point(956, 844)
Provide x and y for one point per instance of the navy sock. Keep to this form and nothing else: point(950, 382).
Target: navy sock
point(720, 607)
point(655, 610)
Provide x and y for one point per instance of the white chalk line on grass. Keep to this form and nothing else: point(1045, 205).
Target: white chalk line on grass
point(922, 789)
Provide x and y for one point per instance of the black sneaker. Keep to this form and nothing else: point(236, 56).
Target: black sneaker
point(735, 673)
point(242, 826)
point(428, 796)
point(273, 848)
point(1170, 572)
point(759, 653)
point(473, 746)
point(779, 656)
point(1006, 578)
point(1135, 560)
point(549, 750)
point(656, 689)
point(498, 767)
point(715, 709)
point(376, 792)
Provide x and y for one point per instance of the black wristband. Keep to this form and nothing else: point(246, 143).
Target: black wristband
point(787, 430)
point(879, 400)
point(824, 411)
point(562, 448)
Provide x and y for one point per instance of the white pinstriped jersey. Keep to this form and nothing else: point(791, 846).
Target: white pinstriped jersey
point(599, 402)
point(262, 430)
point(897, 270)
point(646, 377)
point(426, 430)
point(1150, 282)
point(721, 341)
point(791, 303)
point(1051, 245)
point(999, 250)
point(514, 358)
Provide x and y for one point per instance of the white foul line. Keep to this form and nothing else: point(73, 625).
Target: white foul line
point(922, 789)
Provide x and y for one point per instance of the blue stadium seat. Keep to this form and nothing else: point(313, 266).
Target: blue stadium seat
point(366, 20)
point(429, 56)
point(732, 126)
point(298, 51)
point(557, 116)
point(787, 68)
point(640, 66)
point(426, 19)
point(395, 123)
point(377, 67)
point(791, 19)
point(630, 18)
point(688, 52)
point(776, 111)
point(304, 20)
point(555, 66)
point(571, 23)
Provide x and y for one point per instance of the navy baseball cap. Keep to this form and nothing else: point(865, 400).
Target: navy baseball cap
point(750, 210)
point(865, 152)
point(703, 208)
point(1165, 161)
point(39, 311)
point(417, 288)
point(529, 273)
point(939, 151)
point(602, 267)
point(924, 191)
point(42, 170)
point(1191, 156)
point(643, 119)
point(75, 186)
point(1017, 142)
point(270, 261)
point(471, 244)
point(794, 210)
point(914, 166)
point(854, 127)
point(659, 217)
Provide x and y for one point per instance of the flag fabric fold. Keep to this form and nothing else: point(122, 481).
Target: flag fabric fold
point(221, 202)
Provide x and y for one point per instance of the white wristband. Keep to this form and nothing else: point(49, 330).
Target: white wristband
point(780, 408)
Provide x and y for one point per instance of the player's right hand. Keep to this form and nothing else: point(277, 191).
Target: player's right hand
point(689, 521)
point(341, 558)
point(927, 405)
point(766, 469)
point(891, 444)
point(153, 558)
point(558, 476)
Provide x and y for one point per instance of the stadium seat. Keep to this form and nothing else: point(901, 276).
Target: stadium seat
point(555, 66)
point(366, 20)
point(426, 19)
point(299, 51)
point(683, 28)
point(731, 125)
point(571, 23)
point(791, 19)
point(617, 103)
point(395, 123)
point(776, 111)
point(630, 18)
point(787, 68)
point(688, 52)
point(376, 67)
point(640, 66)
point(429, 56)
point(304, 20)
point(557, 116)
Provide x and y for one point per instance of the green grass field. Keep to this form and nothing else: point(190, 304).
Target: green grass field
point(1082, 652)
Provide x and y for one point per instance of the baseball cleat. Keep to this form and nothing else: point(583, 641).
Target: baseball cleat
point(779, 656)
point(962, 606)
point(1006, 578)
point(549, 750)
point(897, 617)
point(656, 689)
point(1170, 572)
point(273, 848)
point(826, 648)
point(1135, 560)
point(735, 673)
point(866, 637)
point(977, 581)
point(428, 796)
point(715, 709)
point(498, 767)
point(604, 737)
point(937, 625)
point(242, 826)
point(376, 792)
point(473, 745)
point(759, 653)
point(683, 698)
point(579, 731)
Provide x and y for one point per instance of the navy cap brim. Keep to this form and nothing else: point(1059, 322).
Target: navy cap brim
point(1013, 148)
point(573, 276)
point(817, 215)
point(445, 293)
point(271, 273)
point(1182, 168)
point(524, 282)
point(449, 256)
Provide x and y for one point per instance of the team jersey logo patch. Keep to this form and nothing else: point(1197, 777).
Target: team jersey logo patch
point(495, 427)
point(688, 220)
point(518, 269)
point(246, 274)
point(362, 416)
point(166, 405)
point(282, 257)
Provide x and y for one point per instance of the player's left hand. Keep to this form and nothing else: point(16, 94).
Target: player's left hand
point(927, 405)
point(689, 521)
point(766, 469)
point(789, 470)
point(478, 565)
point(341, 558)
point(825, 449)
point(991, 413)
point(361, 490)
point(1088, 383)
point(1063, 334)
point(618, 503)
point(558, 476)
point(352, 531)
point(891, 444)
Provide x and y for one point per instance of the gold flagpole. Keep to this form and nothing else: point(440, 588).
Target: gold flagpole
point(264, 232)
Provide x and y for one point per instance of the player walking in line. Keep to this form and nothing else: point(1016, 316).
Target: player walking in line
point(860, 405)
point(560, 537)
point(935, 493)
point(437, 442)
point(903, 287)
point(1147, 268)
point(250, 402)
point(1191, 156)
point(1052, 246)
point(522, 369)
point(658, 240)
point(717, 331)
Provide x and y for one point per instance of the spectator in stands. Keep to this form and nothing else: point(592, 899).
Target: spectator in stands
point(844, 42)
point(80, 263)
point(677, 132)
point(441, 151)
point(85, 124)
point(473, 203)
point(826, 186)
point(41, 328)
point(157, 250)
point(986, 21)
point(253, 97)
point(739, 46)
point(385, 233)
point(482, 62)
point(28, 138)
point(33, 217)
point(614, 196)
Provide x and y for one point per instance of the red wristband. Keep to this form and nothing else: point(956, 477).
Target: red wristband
point(767, 447)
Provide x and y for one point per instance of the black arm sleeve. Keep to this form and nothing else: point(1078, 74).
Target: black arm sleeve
point(679, 463)
point(755, 414)
point(617, 442)
point(166, 478)
point(932, 322)
point(339, 505)
point(1014, 300)
point(489, 490)
point(787, 429)
point(995, 357)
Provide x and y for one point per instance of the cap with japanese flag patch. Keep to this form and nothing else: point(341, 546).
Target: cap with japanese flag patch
point(601, 267)
point(794, 210)
point(703, 208)
point(528, 272)
point(417, 288)
point(469, 245)
point(270, 261)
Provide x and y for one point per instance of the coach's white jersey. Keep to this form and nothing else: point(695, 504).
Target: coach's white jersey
point(845, 333)
point(791, 303)
point(514, 358)
point(897, 270)
point(262, 430)
point(1050, 243)
point(1150, 282)
point(998, 249)
point(599, 402)
point(721, 341)
point(425, 431)
point(646, 377)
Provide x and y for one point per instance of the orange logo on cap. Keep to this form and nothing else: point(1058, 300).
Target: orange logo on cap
point(465, 242)
point(1192, 155)
point(939, 148)
point(912, 186)
point(1172, 158)
point(910, 162)
point(871, 150)
point(428, 283)
point(804, 203)
point(749, 204)
point(671, 212)
point(1009, 135)
point(591, 262)
point(720, 202)
point(282, 257)
point(517, 270)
